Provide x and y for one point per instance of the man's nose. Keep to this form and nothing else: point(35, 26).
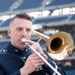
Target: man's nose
point(24, 33)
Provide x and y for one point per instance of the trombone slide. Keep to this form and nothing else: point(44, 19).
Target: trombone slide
point(43, 59)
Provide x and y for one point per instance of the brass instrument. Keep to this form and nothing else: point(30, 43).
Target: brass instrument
point(59, 45)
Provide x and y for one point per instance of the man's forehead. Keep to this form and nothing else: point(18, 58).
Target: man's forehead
point(17, 22)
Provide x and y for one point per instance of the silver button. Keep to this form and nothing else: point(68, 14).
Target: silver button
point(16, 50)
point(24, 57)
point(4, 51)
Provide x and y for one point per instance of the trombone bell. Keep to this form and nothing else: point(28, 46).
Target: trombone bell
point(59, 45)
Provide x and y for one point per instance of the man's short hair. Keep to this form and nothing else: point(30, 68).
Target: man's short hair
point(22, 16)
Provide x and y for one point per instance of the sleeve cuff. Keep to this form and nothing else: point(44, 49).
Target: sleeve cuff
point(16, 73)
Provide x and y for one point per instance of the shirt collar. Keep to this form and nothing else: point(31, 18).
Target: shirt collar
point(13, 50)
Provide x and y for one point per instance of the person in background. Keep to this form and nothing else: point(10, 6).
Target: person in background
point(17, 58)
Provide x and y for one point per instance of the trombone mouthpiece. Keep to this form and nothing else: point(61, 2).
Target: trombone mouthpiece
point(23, 39)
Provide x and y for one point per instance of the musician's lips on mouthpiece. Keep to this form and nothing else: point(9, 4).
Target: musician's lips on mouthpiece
point(23, 39)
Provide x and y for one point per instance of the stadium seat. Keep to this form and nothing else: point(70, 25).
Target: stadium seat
point(3, 45)
point(59, 3)
point(30, 5)
point(48, 20)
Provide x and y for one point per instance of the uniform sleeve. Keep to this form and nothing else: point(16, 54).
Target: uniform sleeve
point(60, 70)
point(1, 72)
point(16, 73)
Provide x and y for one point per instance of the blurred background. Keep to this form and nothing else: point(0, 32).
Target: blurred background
point(48, 16)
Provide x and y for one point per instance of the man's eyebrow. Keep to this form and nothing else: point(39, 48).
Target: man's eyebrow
point(18, 27)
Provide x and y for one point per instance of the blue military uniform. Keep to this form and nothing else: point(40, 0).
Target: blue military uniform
point(12, 59)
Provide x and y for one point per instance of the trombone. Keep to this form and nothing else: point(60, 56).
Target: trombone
point(59, 46)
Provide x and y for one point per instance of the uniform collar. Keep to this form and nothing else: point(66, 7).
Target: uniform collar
point(13, 50)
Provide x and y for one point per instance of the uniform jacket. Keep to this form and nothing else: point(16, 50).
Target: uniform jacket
point(12, 59)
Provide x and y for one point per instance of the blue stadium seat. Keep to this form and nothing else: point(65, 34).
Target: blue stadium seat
point(73, 17)
point(47, 20)
point(60, 2)
point(5, 5)
point(30, 4)
point(6, 23)
point(3, 45)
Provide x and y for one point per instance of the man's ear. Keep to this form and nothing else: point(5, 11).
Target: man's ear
point(9, 32)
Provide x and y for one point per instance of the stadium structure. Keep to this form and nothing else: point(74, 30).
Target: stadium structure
point(48, 16)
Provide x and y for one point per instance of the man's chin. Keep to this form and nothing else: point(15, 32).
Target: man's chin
point(22, 47)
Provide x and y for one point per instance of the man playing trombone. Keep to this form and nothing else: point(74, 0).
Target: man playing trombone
point(17, 58)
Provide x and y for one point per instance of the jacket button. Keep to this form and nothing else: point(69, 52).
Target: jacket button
point(4, 51)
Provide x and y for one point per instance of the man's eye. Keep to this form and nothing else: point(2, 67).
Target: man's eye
point(28, 30)
point(19, 29)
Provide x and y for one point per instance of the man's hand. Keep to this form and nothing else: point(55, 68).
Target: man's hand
point(33, 61)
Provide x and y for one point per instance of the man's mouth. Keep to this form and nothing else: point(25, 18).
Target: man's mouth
point(23, 39)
